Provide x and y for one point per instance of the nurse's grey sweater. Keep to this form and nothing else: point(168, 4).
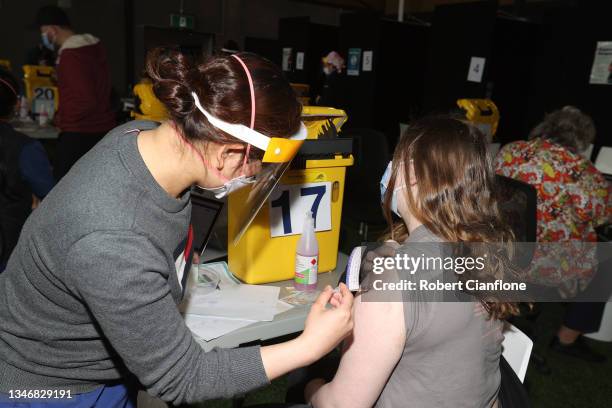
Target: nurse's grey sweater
point(90, 293)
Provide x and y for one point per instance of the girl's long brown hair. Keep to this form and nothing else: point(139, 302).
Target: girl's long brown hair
point(456, 194)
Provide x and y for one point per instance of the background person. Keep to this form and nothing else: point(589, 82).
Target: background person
point(328, 88)
point(84, 85)
point(573, 199)
point(25, 172)
point(428, 353)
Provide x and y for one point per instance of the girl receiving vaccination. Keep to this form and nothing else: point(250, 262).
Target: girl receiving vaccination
point(429, 354)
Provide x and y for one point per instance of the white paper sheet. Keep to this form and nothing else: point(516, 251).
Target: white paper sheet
point(210, 327)
point(600, 72)
point(282, 307)
point(248, 302)
point(604, 160)
point(233, 306)
point(368, 57)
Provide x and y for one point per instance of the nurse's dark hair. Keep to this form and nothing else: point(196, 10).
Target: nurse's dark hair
point(9, 89)
point(222, 86)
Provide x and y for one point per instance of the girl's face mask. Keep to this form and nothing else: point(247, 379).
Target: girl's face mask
point(384, 184)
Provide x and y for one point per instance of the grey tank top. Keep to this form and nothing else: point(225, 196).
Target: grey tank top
point(451, 356)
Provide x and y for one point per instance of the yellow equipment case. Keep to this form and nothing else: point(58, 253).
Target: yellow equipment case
point(315, 181)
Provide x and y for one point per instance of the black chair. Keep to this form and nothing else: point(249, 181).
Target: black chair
point(362, 217)
point(512, 393)
point(518, 203)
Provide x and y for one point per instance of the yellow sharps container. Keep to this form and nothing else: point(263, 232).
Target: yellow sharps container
point(147, 106)
point(483, 113)
point(314, 182)
point(40, 84)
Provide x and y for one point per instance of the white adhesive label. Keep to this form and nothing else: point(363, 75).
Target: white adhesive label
point(353, 268)
point(289, 202)
point(306, 269)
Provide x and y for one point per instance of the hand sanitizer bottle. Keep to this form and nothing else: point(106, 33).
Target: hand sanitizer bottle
point(307, 257)
point(43, 116)
point(23, 108)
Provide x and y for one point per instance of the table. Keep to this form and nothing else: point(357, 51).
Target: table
point(291, 321)
point(37, 132)
point(211, 254)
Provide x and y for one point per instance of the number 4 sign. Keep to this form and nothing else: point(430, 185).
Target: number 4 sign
point(289, 204)
point(477, 65)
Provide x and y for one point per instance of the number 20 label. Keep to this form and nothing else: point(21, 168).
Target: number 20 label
point(44, 93)
point(289, 204)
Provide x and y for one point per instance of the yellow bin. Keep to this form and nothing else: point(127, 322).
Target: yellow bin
point(262, 255)
point(150, 108)
point(40, 83)
point(483, 113)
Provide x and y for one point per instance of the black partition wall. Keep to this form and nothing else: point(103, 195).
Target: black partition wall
point(459, 33)
point(194, 43)
point(566, 50)
point(307, 42)
point(536, 62)
point(510, 77)
point(511, 48)
point(266, 47)
point(385, 88)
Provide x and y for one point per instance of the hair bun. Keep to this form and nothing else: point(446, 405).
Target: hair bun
point(169, 70)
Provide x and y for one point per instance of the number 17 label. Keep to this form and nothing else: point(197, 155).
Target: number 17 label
point(289, 204)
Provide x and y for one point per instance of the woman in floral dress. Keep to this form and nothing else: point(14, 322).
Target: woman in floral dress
point(573, 199)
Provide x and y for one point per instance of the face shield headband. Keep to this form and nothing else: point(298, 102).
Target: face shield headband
point(276, 150)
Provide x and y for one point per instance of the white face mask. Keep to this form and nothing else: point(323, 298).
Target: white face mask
point(230, 186)
point(384, 184)
point(47, 41)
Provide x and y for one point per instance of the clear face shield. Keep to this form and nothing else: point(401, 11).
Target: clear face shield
point(277, 157)
point(265, 182)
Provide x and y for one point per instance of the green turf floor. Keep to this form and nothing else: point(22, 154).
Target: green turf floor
point(572, 384)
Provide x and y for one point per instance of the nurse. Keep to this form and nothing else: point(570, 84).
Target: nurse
point(88, 299)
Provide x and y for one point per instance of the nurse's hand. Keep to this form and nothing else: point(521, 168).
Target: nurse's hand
point(330, 320)
point(325, 326)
